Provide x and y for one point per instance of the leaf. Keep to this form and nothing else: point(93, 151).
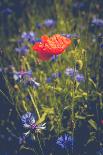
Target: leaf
point(79, 117)
point(93, 124)
point(90, 80)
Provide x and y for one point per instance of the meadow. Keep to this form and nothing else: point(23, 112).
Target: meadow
point(51, 77)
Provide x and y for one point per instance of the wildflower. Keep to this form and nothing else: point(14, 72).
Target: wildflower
point(65, 141)
point(79, 78)
point(21, 75)
point(97, 22)
point(70, 72)
point(29, 36)
point(56, 75)
point(7, 11)
point(54, 58)
point(32, 82)
point(22, 139)
point(49, 23)
point(100, 152)
point(73, 73)
point(22, 50)
point(29, 122)
point(71, 35)
point(48, 47)
point(101, 45)
point(38, 26)
point(49, 80)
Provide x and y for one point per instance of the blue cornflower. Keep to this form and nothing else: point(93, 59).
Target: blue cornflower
point(38, 26)
point(101, 45)
point(97, 22)
point(22, 50)
point(22, 139)
point(71, 35)
point(100, 152)
point(21, 75)
point(29, 122)
point(71, 72)
point(7, 11)
point(29, 36)
point(32, 82)
point(54, 58)
point(79, 78)
point(28, 119)
point(65, 141)
point(49, 80)
point(56, 75)
point(49, 23)
point(53, 76)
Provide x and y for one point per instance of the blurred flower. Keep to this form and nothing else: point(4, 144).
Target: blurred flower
point(79, 78)
point(22, 139)
point(100, 152)
point(49, 80)
point(49, 23)
point(22, 50)
point(32, 82)
point(97, 22)
point(101, 45)
point(21, 75)
point(100, 38)
point(53, 76)
point(71, 35)
point(65, 141)
point(29, 36)
point(1, 69)
point(51, 46)
point(70, 72)
point(56, 75)
point(7, 11)
point(73, 73)
point(38, 25)
point(54, 58)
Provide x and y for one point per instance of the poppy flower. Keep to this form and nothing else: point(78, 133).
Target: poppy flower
point(48, 47)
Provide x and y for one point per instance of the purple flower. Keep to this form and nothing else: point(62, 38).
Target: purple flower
point(49, 80)
point(28, 119)
point(21, 75)
point(97, 22)
point(7, 11)
point(74, 74)
point(49, 23)
point(56, 75)
point(100, 152)
point(71, 35)
point(71, 72)
point(80, 78)
point(22, 50)
point(101, 46)
point(29, 122)
point(65, 141)
point(54, 58)
point(32, 82)
point(38, 26)
point(29, 36)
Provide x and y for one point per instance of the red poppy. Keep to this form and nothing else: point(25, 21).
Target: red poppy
point(51, 46)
